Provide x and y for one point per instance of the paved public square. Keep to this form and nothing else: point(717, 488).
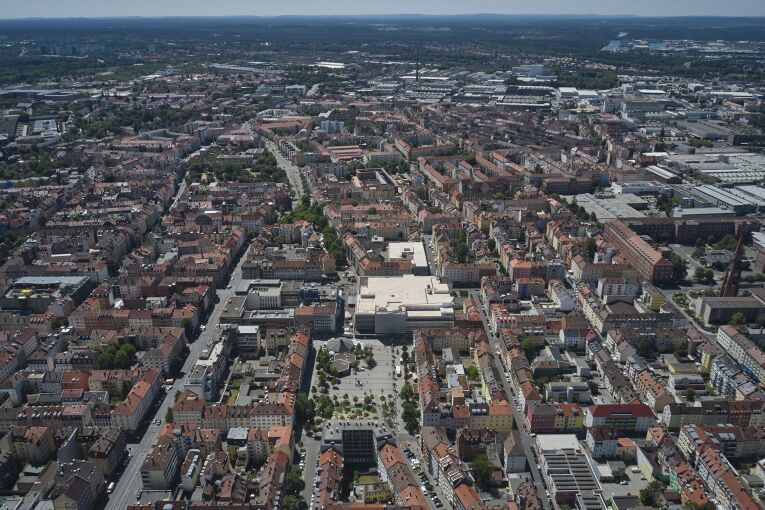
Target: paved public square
point(378, 382)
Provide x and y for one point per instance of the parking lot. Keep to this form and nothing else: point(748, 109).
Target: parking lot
point(632, 487)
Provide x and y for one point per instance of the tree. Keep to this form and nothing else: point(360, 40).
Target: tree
point(703, 274)
point(121, 359)
point(407, 393)
point(737, 319)
point(129, 349)
point(690, 395)
point(728, 242)
point(325, 407)
point(679, 269)
point(482, 469)
point(589, 246)
point(294, 482)
point(761, 320)
point(322, 359)
point(169, 415)
point(460, 251)
point(649, 495)
point(305, 409)
point(472, 372)
point(411, 417)
point(106, 358)
point(529, 349)
point(294, 503)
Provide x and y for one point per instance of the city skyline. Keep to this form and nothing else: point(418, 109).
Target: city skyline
point(489, 255)
point(145, 8)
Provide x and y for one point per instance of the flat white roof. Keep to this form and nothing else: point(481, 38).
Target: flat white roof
point(414, 251)
point(552, 442)
point(247, 330)
point(409, 292)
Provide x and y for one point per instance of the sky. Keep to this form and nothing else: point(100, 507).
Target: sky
point(108, 8)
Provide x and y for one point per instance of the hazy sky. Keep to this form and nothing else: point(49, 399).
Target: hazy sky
point(100, 8)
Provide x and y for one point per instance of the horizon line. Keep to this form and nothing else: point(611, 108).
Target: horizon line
point(377, 15)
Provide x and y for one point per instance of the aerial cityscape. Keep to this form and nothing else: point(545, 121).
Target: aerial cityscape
point(361, 261)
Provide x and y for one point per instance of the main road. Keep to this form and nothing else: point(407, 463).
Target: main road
point(520, 420)
point(292, 170)
point(128, 485)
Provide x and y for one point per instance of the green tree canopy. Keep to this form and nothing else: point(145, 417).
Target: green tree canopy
point(482, 469)
point(737, 319)
point(407, 392)
point(294, 482)
point(292, 502)
point(679, 269)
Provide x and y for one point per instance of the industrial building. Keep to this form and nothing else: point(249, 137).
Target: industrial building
point(727, 167)
point(753, 194)
point(641, 188)
point(725, 199)
point(624, 205)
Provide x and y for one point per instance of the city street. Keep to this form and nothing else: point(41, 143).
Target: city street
point(311, 468)
point(129, 484)
point(426, 239)
point(292, 171)
point(518, 417)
